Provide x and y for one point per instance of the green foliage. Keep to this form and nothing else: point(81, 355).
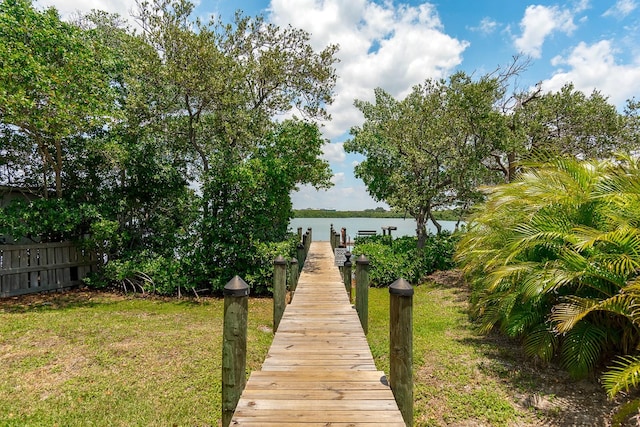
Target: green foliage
point(391, 259)
point(445, 215)
point(553, 259)
point(47, 220)
point(52, 84)
point(418, 152)
point(161, 143)
point(260, 275)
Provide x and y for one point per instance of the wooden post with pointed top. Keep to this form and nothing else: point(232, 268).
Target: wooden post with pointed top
point(300, 255)
point(362, 291)
point(293, 275)
point(401, 346)
point(279, 289)
point(347, 273)
point(234, 345)
point(331, 233)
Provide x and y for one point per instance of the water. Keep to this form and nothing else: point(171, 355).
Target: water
point(321, 226)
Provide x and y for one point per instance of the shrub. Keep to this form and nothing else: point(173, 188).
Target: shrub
point(553, 259)
point(390, 259)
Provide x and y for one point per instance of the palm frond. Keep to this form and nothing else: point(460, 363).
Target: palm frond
point(623, 375)
point(542, 343)
point(567, 314)
point(581, 348)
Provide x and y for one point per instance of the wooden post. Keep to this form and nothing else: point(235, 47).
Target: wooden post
point(279, 289)
point(310, 231)
point(234, 345)
point(362, 291)
point(307, 244)
point(347, 273)
point(401, 346)
point(299, 233)
point(304, 245)
point(293, 275)
point(331, 232)
point(301, 256)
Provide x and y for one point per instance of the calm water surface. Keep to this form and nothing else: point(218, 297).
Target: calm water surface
point(321, 226)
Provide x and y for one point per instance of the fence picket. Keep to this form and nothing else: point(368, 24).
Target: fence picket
point(40, 267)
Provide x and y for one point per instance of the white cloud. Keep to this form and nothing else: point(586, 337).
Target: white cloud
point(341, 198)
point(621, 9)
point(337, 178)
point(381, 45)
point(538, 23)
point(69, 8)
point(334, 152)
point(487, 26)
point(594, 67)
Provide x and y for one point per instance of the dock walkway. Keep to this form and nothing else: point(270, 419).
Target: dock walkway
point(319, 370)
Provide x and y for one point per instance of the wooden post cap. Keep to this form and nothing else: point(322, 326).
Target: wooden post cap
point(279, 260)
point(362, 260)
point(401, 287)
point(293, 261)
point(236, 287)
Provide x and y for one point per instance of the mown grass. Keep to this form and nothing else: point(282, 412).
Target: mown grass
point(86, 358)
point(449, 387)
point(105, 360)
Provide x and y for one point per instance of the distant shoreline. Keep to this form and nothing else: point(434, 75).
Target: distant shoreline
point(445, 215)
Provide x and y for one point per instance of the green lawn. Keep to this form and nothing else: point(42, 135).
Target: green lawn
point(84, 358)
point(96, 359)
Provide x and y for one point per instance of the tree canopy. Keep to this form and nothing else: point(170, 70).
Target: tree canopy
point(436, 147)
point(162, 144)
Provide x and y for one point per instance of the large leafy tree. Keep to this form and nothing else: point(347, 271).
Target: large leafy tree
point(171, 156)
point(424, 152)
point(566, 123)
point(52, 88)
point(553, 259)
point(224, 83)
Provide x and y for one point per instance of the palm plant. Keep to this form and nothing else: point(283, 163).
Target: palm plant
point(553, 259)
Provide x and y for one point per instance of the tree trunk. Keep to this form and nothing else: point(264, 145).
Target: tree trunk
point(421, 230)
point(511, 166)
point(435, 222)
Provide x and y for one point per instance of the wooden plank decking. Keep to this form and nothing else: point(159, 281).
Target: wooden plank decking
point(319, 370)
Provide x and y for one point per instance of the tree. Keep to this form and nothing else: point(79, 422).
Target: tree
point(568, 122)
point(224, 83)
point(52, 86)
point(425, 151)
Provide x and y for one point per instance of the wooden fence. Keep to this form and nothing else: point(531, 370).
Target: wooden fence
point(43, 267)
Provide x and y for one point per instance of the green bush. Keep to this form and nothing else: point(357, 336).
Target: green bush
point(166, 276)
point(390, 259)
point(554, 260)
point(260, 274)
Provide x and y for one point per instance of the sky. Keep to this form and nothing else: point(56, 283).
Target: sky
point(394, 45)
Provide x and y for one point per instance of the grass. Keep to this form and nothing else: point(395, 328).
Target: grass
point(100, 359)
point(449, 387)
point(87, 358)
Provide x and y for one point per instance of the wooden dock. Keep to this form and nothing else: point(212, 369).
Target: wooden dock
point(319, 370)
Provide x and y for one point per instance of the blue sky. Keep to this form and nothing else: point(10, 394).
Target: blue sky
point(396, 44)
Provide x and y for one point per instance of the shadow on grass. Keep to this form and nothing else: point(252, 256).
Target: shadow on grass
point(68, 299)
point(545, 389)
point(86, 297)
